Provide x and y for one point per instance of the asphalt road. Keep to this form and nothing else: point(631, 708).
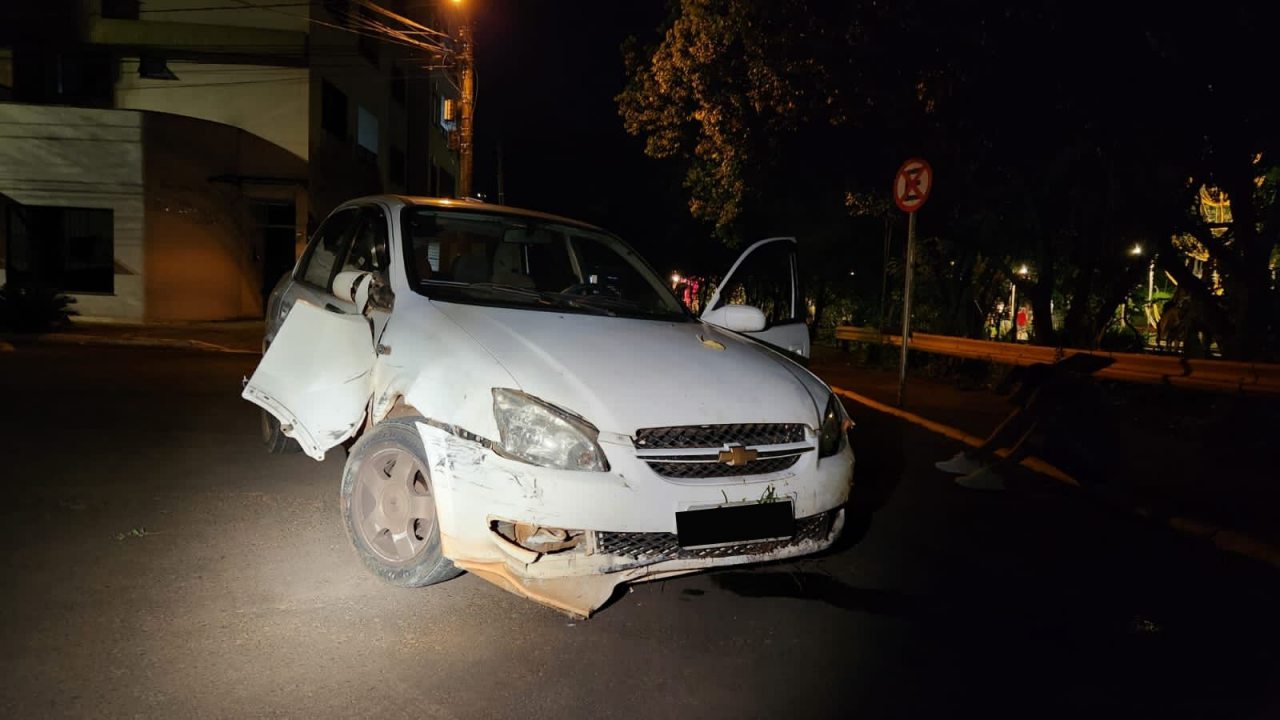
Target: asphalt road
point(159, 564)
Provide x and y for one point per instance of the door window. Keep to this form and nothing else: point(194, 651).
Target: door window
point(369, 247)
point(329, 244)
point(765, 280)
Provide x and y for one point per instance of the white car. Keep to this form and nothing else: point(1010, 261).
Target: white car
point(529, 402)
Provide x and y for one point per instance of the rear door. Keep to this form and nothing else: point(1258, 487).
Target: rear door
point(316, 374)
point(767, 276)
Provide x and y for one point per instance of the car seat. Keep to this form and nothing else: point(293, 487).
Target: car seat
point(471, 269)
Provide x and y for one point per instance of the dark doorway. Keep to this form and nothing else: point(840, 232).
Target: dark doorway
point(276, 223)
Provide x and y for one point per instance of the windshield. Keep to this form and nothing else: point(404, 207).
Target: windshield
point(508, 260)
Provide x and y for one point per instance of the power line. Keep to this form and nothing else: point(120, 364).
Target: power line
point(223, 7)
point(378, 36)
point(417, 28)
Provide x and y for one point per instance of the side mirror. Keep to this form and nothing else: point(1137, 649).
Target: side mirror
point(738, 318)
point(353, 287)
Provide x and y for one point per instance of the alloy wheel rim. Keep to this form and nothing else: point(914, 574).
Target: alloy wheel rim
point(392, 505)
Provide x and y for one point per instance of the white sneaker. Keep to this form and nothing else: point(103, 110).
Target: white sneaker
point(961, 464)
point(983, 479)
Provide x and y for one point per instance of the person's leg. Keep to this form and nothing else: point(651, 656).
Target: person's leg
point(988, 477)
point(1014, 426)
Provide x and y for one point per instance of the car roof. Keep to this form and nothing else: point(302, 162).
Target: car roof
point(475, 206)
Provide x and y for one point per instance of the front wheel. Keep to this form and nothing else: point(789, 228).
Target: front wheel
point(389, 510)
point(273, 437)
point(276, 442)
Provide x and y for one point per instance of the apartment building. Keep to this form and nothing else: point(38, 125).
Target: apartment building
point(165, 159)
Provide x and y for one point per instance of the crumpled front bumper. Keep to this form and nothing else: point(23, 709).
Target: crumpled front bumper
point(626, 518)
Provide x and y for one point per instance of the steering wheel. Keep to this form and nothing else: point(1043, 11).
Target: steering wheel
point(588, 289)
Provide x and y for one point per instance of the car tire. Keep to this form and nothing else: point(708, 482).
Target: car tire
point(276, 442)
point(388, 507)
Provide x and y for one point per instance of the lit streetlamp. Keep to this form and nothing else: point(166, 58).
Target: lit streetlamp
point(1022, 271)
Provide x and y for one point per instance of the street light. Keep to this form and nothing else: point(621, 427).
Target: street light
point(1022, 271)
point(1136, 250)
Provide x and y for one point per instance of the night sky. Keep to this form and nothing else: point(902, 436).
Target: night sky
point(548, 73)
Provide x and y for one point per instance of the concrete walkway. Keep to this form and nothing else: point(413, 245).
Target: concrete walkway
point(236, 336)
point(1195, 461)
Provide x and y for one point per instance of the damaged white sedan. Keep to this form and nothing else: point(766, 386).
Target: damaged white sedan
point(524, 398)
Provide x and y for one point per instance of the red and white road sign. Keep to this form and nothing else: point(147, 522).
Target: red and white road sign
point(911, 185)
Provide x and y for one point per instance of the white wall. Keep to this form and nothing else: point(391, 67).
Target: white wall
point(270, 102)
point(76, 157)
point(229, 12)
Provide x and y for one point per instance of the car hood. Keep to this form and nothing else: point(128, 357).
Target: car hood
point(622, 374)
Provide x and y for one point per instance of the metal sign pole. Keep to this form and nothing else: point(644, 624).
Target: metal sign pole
point(906, 307)
point(910, 189)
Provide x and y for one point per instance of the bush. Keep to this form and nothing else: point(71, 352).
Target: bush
point(34, 308)
point(1123, 339)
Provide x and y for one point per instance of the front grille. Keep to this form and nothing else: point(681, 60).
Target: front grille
point(647, 548)
point(718, 436)
point(700, 470)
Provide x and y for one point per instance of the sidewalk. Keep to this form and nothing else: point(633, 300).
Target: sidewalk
point(1197, 459)
point(235, 336)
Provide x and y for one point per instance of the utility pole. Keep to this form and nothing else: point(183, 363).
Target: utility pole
point(467, 69)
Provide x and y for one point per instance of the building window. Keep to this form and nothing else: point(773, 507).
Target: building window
point(396, 166)
point(367, 130)
point(333, 110)
point(71, 249)
point(120, 9)
point(397, 86)
point(448, 113)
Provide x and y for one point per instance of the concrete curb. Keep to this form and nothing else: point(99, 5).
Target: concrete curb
point(169, 343)
point(1222, 538)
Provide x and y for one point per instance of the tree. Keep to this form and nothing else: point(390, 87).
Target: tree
point(1063, 135)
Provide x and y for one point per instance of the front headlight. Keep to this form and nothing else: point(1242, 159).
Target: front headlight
point(834, 425)
point(542, 434)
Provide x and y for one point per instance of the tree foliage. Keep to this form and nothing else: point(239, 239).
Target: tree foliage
point(1062, 134)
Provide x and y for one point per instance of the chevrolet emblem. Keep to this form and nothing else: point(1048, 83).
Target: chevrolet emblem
point(737, 455)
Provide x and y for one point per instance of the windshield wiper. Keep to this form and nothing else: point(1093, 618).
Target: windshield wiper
point(622, 303)
point(547, 298)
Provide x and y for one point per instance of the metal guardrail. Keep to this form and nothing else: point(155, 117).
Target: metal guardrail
point(1230, 375)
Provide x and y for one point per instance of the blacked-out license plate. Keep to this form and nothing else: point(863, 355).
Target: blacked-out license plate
point(733, 524)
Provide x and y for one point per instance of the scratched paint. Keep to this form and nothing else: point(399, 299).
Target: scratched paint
point(327, 375)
